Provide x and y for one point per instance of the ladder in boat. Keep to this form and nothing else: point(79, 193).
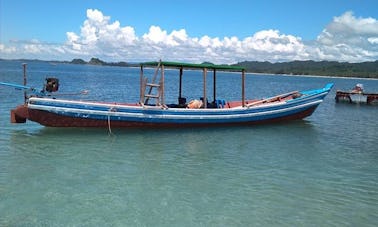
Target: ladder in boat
point(154, 89)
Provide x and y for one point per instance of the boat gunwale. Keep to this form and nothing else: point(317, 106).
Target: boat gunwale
point(305, 94)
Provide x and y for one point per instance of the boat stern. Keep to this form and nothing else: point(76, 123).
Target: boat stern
point(19, 114)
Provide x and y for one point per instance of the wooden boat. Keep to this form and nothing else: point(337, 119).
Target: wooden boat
point(356, 95)
point(152, 110)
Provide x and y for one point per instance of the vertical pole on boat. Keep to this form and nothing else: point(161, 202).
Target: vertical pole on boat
point(243, 87)
point(204, 88)
point(162, 85)
point(141, 85)
point(180, 87)
point(214, 84)
point(24, 67)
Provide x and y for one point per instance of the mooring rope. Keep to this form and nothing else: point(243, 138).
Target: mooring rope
point(109, 128)
point(112, 109)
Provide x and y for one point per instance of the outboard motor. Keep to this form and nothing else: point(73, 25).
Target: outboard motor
point(52, 84)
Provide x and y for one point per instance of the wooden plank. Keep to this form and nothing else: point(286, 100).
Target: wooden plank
point(152, 96)
point(271, 99)
point(153, 85)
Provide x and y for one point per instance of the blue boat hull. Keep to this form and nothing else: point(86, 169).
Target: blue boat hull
point(71, 113)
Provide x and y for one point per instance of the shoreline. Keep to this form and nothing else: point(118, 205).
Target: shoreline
point(316, 76)
point(98, 62)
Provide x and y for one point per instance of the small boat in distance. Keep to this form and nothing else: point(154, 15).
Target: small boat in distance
point(151, 110)
point(356, 95)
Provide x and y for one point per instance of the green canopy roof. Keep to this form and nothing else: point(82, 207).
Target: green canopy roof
point(193, 66)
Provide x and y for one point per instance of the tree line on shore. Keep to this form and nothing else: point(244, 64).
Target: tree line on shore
point(315, 68)
point(318, 68)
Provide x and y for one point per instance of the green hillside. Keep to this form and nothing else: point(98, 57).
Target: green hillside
point(321, 68)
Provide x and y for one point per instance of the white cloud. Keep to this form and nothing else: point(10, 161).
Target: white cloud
point(100, 37)
point(275, 46)
point(345, 38)
point(72, 40)
point(348, 38)
point(7, 50)
point(156, 36)
point(373, 40)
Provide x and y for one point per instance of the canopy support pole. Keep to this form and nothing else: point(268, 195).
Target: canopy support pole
point(180, 87)
point(141, 86)
point(215, 84)
point(243, 88)
point(25, 95)
point(204, 88)
point(162, 86)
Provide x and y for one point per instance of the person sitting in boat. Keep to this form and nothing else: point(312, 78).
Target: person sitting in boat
point(359, 88)
point(194, 104)
point(52, 84)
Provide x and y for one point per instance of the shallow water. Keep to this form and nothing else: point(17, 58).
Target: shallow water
point(321, 171)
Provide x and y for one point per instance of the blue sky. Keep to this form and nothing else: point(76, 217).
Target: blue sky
point(219, 31)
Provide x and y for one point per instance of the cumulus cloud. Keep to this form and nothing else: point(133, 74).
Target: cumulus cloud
point(345, 38)
point(100, 37)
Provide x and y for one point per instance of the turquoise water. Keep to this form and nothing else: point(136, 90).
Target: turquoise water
point(321, 171)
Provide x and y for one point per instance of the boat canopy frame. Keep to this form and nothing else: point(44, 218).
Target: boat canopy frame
point(205, 67)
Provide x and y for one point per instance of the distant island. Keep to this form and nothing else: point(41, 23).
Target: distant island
point(315, 68)
point(96, 61)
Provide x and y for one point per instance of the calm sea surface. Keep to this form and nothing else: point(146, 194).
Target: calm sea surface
point(321, 171)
